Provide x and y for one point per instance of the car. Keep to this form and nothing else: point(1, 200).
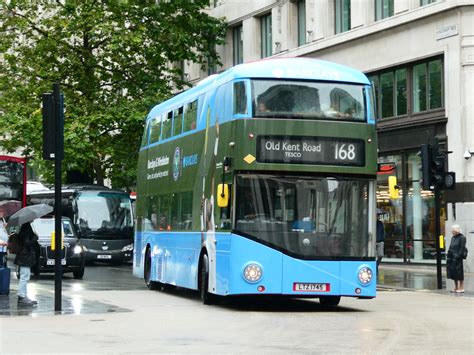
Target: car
point(73, 256)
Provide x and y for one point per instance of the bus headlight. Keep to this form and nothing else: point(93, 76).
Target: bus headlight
point(253, 273)
point(127, 248)
point(365, 275)
point(77, 249)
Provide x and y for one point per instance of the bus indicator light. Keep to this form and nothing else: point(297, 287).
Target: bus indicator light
point(261, 288)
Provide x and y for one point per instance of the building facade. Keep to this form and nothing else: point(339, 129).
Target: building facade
point(420, 56)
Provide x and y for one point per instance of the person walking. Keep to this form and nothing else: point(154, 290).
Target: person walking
point(454, 264)
point(25, 259)
point(380, 238)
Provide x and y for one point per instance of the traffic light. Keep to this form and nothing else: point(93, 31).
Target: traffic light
point(48, 127)
point(433, 168)
point(425, 154)
point(438, 167)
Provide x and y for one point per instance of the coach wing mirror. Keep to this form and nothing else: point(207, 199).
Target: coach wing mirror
point(393, 187)
point(222, 195)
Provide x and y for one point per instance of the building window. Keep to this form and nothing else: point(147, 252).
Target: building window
point(409, 221)
point(266, 35)
point(401, 92)
point(427, 86)
point(386, 94)
point(301, 22)
point(238, 45)
point(410, 89)
point(383, 9)
point(426, 2)
point(342, 11)
point(419, 87)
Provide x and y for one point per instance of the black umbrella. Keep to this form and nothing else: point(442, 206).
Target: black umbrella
point(29, 214)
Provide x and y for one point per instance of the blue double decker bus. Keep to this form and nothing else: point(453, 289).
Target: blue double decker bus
point(261, 181)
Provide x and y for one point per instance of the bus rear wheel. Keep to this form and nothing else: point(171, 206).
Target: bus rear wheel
point(330, 301)
point(206, 297)
point(152, 285)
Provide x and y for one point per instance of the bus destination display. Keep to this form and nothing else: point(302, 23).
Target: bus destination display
point(310, 150)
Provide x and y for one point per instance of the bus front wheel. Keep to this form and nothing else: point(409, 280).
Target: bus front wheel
point(330, 301)
point(206, 297)
point(152, 285)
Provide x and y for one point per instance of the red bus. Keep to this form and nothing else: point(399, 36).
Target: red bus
point(12, 184)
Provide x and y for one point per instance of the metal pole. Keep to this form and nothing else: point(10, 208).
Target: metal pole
point(58, 275)
point(437, 192)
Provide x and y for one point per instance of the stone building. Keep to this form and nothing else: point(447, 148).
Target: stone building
point(420, 56)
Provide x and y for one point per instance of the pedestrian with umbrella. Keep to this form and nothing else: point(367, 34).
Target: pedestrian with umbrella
point(9, 207)
point(26, 256)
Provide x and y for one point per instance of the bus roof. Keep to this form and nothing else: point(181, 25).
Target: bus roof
point(275, 68)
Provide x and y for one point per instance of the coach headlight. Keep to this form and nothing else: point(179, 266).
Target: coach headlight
point(128, 247)
point(253, 273)
point(365, 275)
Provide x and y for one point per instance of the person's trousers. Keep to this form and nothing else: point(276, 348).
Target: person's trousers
point(25, 274)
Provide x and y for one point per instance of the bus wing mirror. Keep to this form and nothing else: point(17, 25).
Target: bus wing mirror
point(222, 195)
point(393, 187)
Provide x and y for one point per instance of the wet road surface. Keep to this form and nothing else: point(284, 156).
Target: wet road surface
point(96, 278)
point(120, 278)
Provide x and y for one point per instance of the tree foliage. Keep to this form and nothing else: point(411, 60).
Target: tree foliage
point(112, 60)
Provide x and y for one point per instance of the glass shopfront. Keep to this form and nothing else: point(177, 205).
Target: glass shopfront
point(409, 219)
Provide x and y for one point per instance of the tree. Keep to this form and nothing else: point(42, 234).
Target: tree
point(112, 59)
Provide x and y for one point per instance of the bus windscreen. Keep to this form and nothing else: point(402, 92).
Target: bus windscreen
point(104, 213)
point(308, 217)
point(308, 99)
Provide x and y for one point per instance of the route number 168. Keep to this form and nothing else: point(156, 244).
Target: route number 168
point(345, 151)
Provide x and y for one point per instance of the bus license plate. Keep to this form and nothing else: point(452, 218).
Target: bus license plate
point(310, 287)
point(104, 256)
point(52, 262)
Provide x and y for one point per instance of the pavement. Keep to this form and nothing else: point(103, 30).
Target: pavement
point(416, 278)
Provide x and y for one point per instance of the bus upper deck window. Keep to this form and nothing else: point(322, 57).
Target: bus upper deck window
point(145, 134)
point(166, 128)
point(240, 98)
point(190, 115)
point(155, 129)
point(178, 121)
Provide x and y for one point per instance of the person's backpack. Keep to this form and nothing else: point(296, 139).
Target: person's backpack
point(464, 253)
point(14, 245)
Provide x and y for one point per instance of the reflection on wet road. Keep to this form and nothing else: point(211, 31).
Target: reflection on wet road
point(412, 279)
point(96, 278)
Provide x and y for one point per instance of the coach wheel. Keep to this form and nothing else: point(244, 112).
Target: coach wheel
point(78, 274)
point(206, 297)
point(330, 301)
point(152, 285)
